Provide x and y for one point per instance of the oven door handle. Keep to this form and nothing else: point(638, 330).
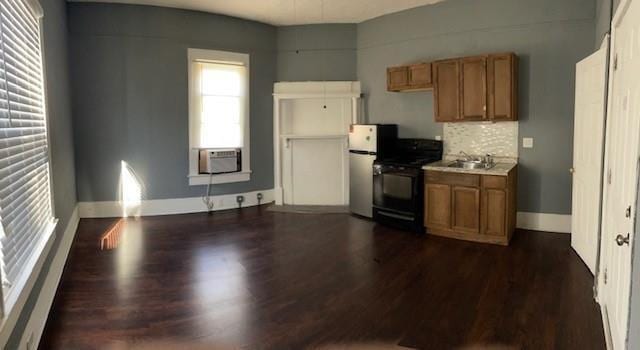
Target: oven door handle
point(395, 173)
point(395, 216)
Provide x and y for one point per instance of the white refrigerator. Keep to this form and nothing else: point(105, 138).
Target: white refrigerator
point(366, 144)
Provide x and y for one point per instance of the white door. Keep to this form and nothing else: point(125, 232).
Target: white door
point(317, 172)
point(588, 147)
point(620, 189)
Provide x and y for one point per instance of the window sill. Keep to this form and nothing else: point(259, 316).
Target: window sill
point(203, 179)
point(23, 286)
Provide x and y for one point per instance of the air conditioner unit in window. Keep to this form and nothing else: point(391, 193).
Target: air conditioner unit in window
point(219, 161)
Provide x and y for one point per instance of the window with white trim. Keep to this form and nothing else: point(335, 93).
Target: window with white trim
point(26, 213)
point(218, 109)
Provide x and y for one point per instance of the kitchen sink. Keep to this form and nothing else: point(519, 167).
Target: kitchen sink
point(470, 164)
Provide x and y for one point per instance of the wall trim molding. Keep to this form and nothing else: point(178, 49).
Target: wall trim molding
point(560, 223)
point(172, 206)
point(37, 320)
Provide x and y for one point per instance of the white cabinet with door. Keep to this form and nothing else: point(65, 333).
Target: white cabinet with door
point(311, 128)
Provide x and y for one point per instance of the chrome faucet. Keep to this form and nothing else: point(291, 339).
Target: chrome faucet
point(467, 157)
point(488, 160)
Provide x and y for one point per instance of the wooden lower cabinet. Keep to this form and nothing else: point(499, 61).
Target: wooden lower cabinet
point(466, 209)
point(479, 208)
point(494, 204)
point(438, 205)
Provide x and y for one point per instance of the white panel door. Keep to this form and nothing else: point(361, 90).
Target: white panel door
point(623, 131)
point(318, 172)
point(588, 148)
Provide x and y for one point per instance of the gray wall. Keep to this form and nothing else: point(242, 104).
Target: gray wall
point(317, 52)
point(605, 9)
point(129, 80)
point(62, 155)
point(549, 36)
point(602, 20)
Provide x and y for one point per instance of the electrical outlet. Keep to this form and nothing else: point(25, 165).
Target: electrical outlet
point(438, 138)
point(527, 142)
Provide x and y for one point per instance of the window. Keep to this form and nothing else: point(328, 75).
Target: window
point(218, 109)
point(26, 214)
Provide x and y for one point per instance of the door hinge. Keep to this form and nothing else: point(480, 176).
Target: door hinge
point(627, 212)
point(605, 276)
point(615, 62)
point(609, 176)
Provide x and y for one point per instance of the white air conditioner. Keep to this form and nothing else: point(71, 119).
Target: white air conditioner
point(219, 161)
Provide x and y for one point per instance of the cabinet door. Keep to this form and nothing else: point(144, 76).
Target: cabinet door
point(494, 210)
point(502, 84)
point(473, 93)
point(397, 78)
point(446, 90)
point(420, 76)
point(437, 206)
point(466, 209)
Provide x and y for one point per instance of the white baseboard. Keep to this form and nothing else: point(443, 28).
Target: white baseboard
point(172, 206)
point(544, 222)
point(38, 318)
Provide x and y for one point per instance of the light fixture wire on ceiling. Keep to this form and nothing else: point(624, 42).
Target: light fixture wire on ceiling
point(324, 54)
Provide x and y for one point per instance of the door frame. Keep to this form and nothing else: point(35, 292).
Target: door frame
point(600, 289)
point(321, 90)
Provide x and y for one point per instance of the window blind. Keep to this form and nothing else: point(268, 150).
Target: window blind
point(221, 104)
point(25, 199)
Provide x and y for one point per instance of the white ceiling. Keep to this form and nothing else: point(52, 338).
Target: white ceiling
point(289, 12)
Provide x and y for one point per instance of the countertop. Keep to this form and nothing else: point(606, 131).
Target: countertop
point(500, 169)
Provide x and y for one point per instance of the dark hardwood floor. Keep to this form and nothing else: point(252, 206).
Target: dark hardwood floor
point(256, 279)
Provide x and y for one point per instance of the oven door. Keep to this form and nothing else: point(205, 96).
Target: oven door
point(396, 188)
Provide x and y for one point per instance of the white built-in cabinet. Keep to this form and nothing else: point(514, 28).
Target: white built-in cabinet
point(311, 129)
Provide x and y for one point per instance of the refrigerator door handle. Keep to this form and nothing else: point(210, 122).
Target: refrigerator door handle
point(367, 153)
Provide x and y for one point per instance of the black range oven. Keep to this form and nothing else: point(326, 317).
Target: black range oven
point(398, 183)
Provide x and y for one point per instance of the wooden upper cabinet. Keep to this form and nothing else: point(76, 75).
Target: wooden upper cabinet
point(409, 78)
point(473, 88)
point(397, 78)
point(464, 89)
point(446, 90)
point(420, 76)
point(502, 71)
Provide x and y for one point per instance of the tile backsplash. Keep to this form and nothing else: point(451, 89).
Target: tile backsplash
point(479, 138)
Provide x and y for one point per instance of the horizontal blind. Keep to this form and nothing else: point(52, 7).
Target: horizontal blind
point(221, 96)
point(25, 199)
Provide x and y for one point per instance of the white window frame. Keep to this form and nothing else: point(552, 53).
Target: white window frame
point(11, 309)
point(195, 178)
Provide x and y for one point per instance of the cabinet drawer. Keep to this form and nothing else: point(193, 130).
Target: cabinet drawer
point(494, 181)
point(448, 178)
